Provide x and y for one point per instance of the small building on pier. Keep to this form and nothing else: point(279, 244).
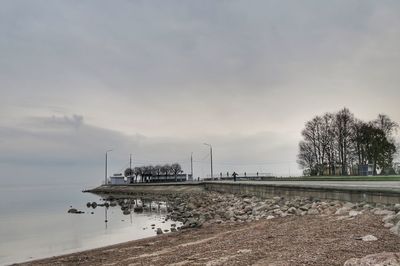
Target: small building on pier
point(117, 179)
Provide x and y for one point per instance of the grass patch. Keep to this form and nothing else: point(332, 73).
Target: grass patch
point(345, 178)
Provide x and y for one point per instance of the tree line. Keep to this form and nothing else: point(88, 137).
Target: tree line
point(341, 144)
point(146, 172)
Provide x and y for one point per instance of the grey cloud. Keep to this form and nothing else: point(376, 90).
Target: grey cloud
point(63, 145)
point(140, 72)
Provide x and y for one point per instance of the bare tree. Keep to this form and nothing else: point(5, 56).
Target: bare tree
point(306, 158)
point(342, 139)
point(386, 124)
point(138, 171)
point(176, 169)
point(329, 142)
point(344, 124)
point(166, 170)
point(158, 171)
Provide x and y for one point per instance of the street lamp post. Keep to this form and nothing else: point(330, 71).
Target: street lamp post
point(191, 165)
point(212, 176)
point(105, 174)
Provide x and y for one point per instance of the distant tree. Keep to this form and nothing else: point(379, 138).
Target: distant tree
point(340, 139)
point(138, 171)
point(166, 170)
point(306, 158)
point(329, 142)
point(343, 124)
point(176, 169)
point(148, 171)
point(158, 171)
point(312, 135)
point(378, 149)
point(387, 125)
point(128, 172)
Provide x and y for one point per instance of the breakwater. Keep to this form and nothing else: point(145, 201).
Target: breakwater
point(364, 192)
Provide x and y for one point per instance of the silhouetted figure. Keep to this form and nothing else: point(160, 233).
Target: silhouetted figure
point(234, 176)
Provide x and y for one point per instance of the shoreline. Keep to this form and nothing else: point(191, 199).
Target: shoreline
point(307, 240)
point(242, 229)
point(78, 252)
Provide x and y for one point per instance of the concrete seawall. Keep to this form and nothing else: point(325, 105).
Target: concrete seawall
point(343, 193)
point(386, 193)
point(162, 188)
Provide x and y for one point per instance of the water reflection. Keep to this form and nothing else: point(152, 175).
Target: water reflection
point(129, 206)
point(46, 229)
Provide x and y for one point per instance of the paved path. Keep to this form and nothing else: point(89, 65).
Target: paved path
point(358, 185)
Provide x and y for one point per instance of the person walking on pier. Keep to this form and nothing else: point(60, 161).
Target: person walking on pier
point(234, 176)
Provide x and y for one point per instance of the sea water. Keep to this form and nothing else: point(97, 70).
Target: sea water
point(34, 222)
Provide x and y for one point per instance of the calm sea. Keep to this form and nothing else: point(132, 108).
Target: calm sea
point(34, 222)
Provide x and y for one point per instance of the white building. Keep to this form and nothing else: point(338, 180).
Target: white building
point(117, 179)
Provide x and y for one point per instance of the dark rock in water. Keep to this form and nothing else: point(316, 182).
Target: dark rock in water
point(107, 204)
point(126, 212)
point(92, 213)
point(159, 231)
point(173, 229)
point(110, 198)
point(89, 204)
point(166, 230)
point(113, 204)
point(73, 210)
point(138, 209)
point(94, 205)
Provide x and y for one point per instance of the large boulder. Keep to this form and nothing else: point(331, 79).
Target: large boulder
point(312, 212)
point(342, 211)
point(394, 219)
point(380, 259)
point(378, 211)
point(369, 238)
point(396, 229)
point(353, 213)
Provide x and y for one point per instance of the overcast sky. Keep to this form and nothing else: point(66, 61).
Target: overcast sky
point(159, 78)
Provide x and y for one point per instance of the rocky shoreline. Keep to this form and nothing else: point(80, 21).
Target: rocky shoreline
point(207, 208)
point(203, 213)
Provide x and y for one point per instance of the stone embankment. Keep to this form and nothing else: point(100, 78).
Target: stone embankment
point(207, 208)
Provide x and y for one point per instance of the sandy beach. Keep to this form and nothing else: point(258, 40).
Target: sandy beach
point(307, 240)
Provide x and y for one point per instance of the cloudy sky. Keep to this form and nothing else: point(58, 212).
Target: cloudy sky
point(159, 78)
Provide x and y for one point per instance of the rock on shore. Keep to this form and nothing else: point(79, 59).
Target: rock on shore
point(207, 208)
point(380, 259)
point(195, 210)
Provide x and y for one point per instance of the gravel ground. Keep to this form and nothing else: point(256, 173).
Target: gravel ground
point(305, 240)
